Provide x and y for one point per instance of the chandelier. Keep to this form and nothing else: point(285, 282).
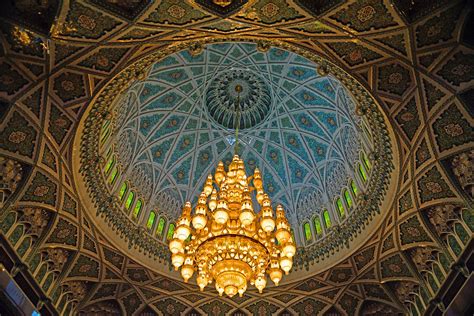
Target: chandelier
point(226, 241)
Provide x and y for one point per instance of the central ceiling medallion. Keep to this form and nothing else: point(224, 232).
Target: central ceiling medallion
point(229, 242)
point(253, 98)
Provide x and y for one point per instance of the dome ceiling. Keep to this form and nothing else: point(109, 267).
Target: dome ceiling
point(298, 127)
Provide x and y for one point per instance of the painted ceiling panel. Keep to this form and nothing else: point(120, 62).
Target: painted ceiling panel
point(298, 127)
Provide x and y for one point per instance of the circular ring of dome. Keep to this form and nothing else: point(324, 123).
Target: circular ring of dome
point(238, 92)
point(99, 198)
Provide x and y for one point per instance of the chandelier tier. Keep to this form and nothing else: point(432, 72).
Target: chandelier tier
point(226, 240)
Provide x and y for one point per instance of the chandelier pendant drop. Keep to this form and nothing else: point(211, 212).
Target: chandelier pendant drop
point(226, 241)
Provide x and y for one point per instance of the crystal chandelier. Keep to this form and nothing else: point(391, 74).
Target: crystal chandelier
point(228, 242)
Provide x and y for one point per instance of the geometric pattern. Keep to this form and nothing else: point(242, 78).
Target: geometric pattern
point(307, 141)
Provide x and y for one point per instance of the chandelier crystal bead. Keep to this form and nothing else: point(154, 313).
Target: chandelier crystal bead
point(229, 242)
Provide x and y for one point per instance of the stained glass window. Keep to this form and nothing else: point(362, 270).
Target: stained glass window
point(105, 135)
point(109, 152)
point(366, 161)
point(348, 198)
point(105, 125)
point(340, 208)
point(327, 219)
point(113, 175)
point(138, 208)
point(317, 226)
point(110, 164)
point(362, 173)
point(354, 187)
point(307, 231)
point(169, 236)
point(151, 220)
point(129, 201)
point(122, 191)
point(160, 227)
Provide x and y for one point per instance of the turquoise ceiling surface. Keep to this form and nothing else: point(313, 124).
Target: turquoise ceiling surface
point(298, 127)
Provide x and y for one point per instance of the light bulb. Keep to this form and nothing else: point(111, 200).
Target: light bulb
point(275, 275)
point(187, 272)
point(230, 290)
point(182, 232)
point(176, 245)
point(202, 281)
point(289, 249)
point(199, 221)
point(246, 217)
point(282, 235)
point(260, 283)
point(220, 215)
point(286, 264)
point(268, 224)
point(213, 200)
point(177, 259)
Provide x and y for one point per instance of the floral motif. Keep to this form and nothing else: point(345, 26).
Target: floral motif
point(176, 11)
point(395, 268)
point(453, 129)
point(395, 78)
point(41, 190)
point(67, 85)
point(270, 10)
point(17, 137)
point(366, 13)
point(434, 187)
point(86, 22)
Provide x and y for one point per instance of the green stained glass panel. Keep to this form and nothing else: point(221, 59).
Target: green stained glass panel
point(151, 220)
point(137, 209)
point(160, 227)
point(354, 188)
point(113, 175)
point(123, 190)
point(348, 198)
point(327, 219)
point(105, 135)
point(169, 236)
point(110, 164)
point(307, 231)
point(129, 201)
point(366, 162)
point(362, 173)
point(105, 125)
point(340, 208)
point(317, 225)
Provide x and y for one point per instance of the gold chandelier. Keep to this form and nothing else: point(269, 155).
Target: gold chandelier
point(228, 242)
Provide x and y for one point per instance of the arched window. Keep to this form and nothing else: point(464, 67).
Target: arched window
point(366, 161)
point(105, 131)
point(327, 219)
point(317, 226)
point(129, 201)
point(137, 209)
point(354, 188)
point(113, 175)
point(340, 208)
point(170, 233)
point(348, 198)
point(109, 152)
point(307, 232)
point(109, 164)
point(362, 173)
point(151, 220)
point(160, 227)
point(123, 190)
